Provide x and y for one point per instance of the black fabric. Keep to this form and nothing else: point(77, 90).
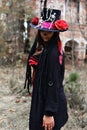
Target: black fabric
point(49, 113)
point(45, 3)
point(48, 93)
point(46, 14)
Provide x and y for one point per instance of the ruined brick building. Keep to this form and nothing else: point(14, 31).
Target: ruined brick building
point(75, 39)
point(73, 11)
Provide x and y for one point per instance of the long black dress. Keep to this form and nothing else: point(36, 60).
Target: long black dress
point(48, 92)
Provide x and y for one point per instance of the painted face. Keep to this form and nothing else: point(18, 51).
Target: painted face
point(46, 36)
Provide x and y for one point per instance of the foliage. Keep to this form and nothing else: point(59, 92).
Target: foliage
point(12, 11)
point(72, 89)
point(11, 36)
point(73, 77)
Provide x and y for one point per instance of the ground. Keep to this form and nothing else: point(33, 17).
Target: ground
point(15, 101)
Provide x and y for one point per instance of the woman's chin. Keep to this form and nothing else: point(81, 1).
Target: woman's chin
point(46, 40)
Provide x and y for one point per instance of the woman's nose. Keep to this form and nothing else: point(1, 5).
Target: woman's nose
point(45, 33)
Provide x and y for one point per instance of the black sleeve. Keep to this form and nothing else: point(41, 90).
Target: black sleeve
point(53, 84)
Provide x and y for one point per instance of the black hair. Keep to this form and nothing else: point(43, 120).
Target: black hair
point(38, 41)
point(28, 67)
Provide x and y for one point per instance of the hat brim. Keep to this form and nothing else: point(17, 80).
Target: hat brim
point(46, 29)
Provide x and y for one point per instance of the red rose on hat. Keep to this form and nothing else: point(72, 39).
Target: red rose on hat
point(35, 21)
point(61, 25)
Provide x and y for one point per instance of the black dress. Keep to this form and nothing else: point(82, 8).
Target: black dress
point(48, 92)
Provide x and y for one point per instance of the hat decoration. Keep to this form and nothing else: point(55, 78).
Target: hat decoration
point(49, 20)
point(59, 25)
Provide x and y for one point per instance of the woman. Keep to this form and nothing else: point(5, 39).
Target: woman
point(48, 105)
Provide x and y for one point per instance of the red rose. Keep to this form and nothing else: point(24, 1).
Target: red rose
point(61, 25)
point(35, 21)
point(53, 26)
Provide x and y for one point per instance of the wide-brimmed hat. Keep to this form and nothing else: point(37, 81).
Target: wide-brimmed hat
point(49, 21)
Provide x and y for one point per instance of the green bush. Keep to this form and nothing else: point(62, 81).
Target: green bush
point(72, 89)
point(73, 77)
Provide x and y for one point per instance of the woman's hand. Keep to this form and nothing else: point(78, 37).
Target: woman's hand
point(48, 122)
point(37, 52)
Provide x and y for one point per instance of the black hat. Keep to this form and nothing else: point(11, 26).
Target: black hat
point(49, 21)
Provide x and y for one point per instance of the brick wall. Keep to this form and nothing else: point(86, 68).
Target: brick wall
point(77, 23)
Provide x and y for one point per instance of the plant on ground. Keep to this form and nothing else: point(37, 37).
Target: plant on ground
point(72, 89)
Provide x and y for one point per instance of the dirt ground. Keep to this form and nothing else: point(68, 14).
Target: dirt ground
point(15, 101)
